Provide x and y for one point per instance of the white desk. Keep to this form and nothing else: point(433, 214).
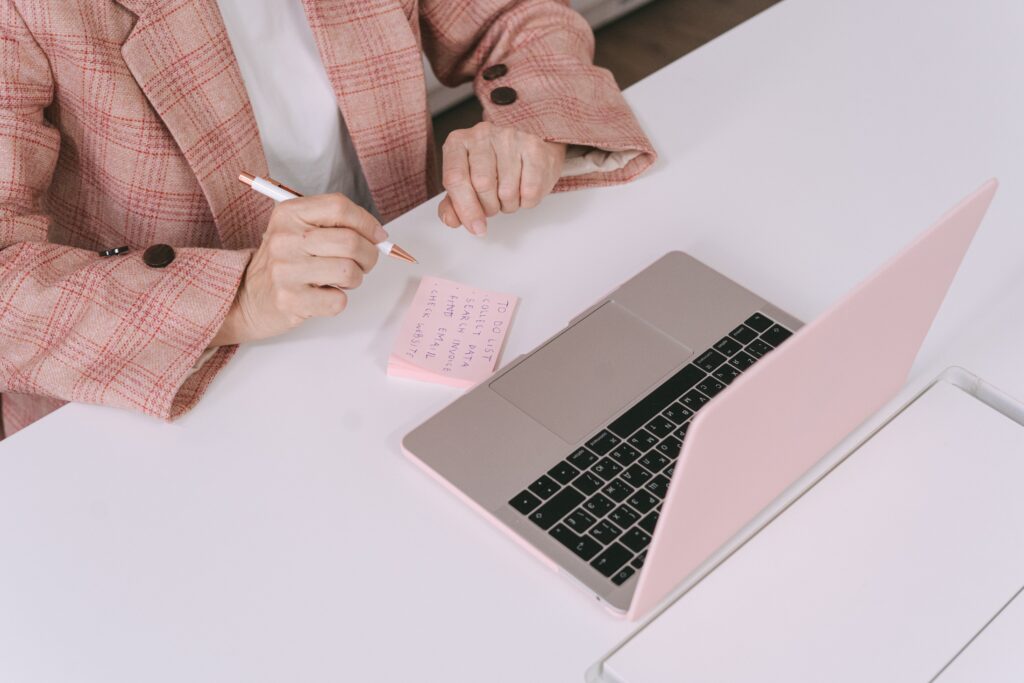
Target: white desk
point(276, 533)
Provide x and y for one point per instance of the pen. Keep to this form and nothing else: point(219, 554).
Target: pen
point(269, 187)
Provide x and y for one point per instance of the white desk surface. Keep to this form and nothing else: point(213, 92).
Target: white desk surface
point(277, 533)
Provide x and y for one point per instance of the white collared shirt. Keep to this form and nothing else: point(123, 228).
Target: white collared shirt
point(302, 129)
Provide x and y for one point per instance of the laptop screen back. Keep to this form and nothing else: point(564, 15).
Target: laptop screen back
point(776, 421)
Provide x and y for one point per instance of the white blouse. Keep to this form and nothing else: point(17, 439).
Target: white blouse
point(302, 129)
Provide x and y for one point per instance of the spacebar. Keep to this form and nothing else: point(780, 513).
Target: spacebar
point(656, 401)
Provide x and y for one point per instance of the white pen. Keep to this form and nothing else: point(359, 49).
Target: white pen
point(269, 187)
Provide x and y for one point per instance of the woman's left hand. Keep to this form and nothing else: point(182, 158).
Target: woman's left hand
point(489, 168)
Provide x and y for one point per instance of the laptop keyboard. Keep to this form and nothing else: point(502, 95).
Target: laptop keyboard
point(603, 501)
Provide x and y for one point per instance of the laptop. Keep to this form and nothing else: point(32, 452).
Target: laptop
point(625, 450)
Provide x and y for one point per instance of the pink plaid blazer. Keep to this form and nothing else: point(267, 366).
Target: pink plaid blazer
point(126, 122)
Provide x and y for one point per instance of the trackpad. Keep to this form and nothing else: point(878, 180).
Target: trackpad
point(577, 381)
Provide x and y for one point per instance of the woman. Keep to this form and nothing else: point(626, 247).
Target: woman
point(125, 123)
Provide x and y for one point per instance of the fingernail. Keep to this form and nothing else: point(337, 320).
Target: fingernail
point(479, 227)
point(380, 234)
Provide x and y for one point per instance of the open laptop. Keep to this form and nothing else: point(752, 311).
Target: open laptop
point(629, 447)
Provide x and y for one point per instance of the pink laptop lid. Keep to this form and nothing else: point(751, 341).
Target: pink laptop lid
point(801, 400)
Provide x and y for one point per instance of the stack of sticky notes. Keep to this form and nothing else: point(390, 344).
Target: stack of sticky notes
point(452, 334)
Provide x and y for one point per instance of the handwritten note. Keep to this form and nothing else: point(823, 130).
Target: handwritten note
point(452, 334)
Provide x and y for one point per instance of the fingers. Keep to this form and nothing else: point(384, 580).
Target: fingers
point(491, 168)
point(510, 168)
point(312, 248)
point(446, 212)
point(313, 271)
point(336, 211)
point(341, 243)
point(322, 302)
point(483, 173)
point(536, 180)
point(459, 183)
point(330, 272)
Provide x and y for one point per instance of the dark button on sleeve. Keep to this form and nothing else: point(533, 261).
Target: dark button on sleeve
point(495, 71)
point(503, 95)
point(158, 256)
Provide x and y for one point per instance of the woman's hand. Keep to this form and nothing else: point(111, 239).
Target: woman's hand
point(314, 249)
point(490, 168)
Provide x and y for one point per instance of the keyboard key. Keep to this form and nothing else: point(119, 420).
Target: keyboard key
point(624, 516)
point(759, 322)
point(654, 461)
point(550, 512)
point(660, 426)
point(583, 546)
point(563, 472)
point(641, 500)
point(709, 360)
point(643, 440)
point(636, 476)
point(678, 413)
point(598, 505)
point(579, 521)
point(776, 334)
point(670, 447)
point(624, 454)
point(757, 348)
point(588, 482)
point(544, 487)
point(681, 430)
point(638, 561)
point(606, 468)
point(743, 334)
point(658, 486)
point(623, 574)
point(605, 532)
point(611, 559)
point(648, 522)
point(742, 360)
point(603, 442)
point(694, 400)
point(727, 346)
point(636, 539)
point(524, 502)
point(655, 402)
point(667, 472)
point(726, 374)
point(582, 458)
point(617, 490)
point(710, 387)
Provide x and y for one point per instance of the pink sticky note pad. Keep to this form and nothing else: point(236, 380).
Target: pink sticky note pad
point(452, 334)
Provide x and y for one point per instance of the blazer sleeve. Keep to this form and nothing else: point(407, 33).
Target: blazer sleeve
point(547, 49)
point(74, 325)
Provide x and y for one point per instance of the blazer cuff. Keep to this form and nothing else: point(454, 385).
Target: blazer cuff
point(209, 366)
point(612, 150)
point(203, 361)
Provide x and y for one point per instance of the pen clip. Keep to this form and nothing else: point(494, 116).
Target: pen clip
point(283, 186)
point(249, 179)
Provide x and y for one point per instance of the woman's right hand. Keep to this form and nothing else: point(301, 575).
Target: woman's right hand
point(314, 248)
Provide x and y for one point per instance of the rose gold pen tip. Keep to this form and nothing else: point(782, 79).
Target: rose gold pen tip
point(247, 178)
point(398, 252)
